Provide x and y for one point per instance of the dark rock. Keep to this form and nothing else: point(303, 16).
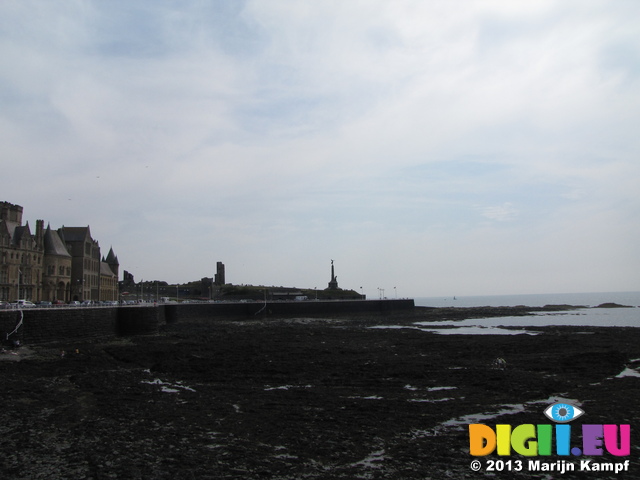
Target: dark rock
point(612, 305)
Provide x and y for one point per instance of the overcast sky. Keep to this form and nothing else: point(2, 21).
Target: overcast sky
point(430, 148)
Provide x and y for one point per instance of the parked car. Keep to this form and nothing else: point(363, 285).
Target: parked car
point(24, 304)
point(43, 304)
point(74, 303)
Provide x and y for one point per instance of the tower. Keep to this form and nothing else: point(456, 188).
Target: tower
point(219, 277)
point(112, 261)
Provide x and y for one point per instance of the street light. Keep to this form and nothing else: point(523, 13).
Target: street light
point(19, 275)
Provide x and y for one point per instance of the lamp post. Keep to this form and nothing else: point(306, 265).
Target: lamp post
point(79, 289)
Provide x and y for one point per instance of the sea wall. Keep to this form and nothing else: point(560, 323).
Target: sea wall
point(59, 324)
point(43, 325)
point(200, 311)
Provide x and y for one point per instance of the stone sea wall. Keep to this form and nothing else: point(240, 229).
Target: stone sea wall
point(43, 325)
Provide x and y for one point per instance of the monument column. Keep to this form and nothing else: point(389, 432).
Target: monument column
point(333, 284)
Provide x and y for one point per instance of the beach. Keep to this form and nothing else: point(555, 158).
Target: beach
point(314, 397)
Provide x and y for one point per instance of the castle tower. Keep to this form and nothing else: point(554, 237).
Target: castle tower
point(219, 277)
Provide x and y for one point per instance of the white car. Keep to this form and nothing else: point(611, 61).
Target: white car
point(24, 304)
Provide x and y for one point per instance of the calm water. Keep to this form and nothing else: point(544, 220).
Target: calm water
point(538, 300)
point(612, 317)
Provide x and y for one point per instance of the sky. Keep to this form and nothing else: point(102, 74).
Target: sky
point(428, 148)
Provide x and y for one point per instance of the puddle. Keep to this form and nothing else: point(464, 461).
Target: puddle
point(628, 372)
point(168, 387)
point(268, 388)
point(369, 461)
point(430, 400)
point(453, 329)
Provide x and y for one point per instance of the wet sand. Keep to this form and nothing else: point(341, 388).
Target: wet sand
point(292, 398)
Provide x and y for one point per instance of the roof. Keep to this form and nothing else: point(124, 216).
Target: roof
point(76, 234)
point(10, 226)
point(53, 244)
point(105, 270)
point(19, 232)
point(112, 259)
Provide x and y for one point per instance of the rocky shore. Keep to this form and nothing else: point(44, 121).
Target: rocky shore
point(291, 398)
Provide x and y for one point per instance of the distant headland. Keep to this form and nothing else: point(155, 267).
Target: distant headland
point(215, 289)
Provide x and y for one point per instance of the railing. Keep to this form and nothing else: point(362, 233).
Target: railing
point(12, 306)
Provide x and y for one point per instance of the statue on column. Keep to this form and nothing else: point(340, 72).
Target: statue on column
point(333, 284)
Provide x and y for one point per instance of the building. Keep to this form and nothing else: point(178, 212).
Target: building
point(56, 276)
point(85, 262)
point(219, 279)
point(52, 265)
point(109, 277)
point(21, 255)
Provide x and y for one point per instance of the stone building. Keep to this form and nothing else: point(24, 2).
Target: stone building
point(21, 255)
point(85, 262)
point(52, 265)
point(109, 277)
point(219, 276)
point(56, 276)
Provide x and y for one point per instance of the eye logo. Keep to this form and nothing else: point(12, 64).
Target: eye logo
point(563, 412)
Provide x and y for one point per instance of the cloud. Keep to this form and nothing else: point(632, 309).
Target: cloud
point(500, 213)
point(404, 139)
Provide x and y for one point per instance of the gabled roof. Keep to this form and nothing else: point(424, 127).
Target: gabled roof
point(4, 228)
point(19, 233)
point(10, 226)
point(53, 244)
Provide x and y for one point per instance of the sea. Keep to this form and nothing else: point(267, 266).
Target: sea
point(589, 315)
